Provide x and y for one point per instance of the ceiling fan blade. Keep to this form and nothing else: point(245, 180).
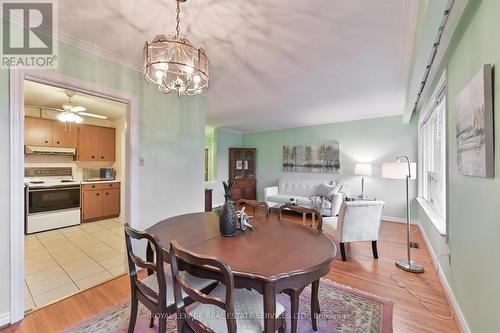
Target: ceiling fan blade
point(93, 115)
point(78, 108)
point(45, 107)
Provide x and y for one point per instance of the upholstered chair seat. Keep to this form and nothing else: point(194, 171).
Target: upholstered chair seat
point(248, 310)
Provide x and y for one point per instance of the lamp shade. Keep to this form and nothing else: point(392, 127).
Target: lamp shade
point(363, 169)
point(396, 170)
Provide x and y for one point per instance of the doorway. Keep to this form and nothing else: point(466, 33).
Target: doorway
point(79, 255)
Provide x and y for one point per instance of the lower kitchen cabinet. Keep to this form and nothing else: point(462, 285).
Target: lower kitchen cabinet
point(100, 201)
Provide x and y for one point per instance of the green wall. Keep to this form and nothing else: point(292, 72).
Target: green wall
point(171, 139)
point(473, 203)
point(212, 155)
point(368, 141)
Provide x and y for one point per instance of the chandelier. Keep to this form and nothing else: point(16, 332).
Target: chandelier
point(173, 64)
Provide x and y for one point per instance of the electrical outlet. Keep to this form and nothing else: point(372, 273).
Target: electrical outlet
point(141, 161)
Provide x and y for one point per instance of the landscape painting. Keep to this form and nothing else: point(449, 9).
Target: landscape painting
point(312, 158)
point(474, 105)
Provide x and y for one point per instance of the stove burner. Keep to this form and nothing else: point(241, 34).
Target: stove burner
point(37, 182)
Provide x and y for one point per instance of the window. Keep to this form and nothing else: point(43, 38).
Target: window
point(432, 157)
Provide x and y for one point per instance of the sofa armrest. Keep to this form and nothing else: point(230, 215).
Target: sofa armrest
point(269, 191)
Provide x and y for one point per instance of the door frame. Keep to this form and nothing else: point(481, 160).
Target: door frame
point(16, 101)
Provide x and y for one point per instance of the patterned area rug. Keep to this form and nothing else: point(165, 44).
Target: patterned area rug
point(343, 309)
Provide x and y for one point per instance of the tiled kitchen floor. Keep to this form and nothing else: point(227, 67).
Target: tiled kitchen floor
point(61, 262)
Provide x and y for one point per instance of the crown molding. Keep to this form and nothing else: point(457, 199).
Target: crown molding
point(99, 51)
point(86, 46)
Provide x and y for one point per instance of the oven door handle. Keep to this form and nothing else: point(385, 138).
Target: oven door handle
point(53, 189)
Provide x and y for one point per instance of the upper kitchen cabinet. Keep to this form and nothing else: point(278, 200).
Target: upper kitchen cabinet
point(96, 143)
point(37, 132)
point(64, 135)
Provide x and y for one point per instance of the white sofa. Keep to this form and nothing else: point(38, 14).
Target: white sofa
point(302, 191)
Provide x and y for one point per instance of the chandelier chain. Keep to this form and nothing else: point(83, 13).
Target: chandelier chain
point(178, 19)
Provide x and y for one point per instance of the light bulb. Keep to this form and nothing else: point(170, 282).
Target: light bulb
point(159, 75)
point(188, 69)
point(196, 79)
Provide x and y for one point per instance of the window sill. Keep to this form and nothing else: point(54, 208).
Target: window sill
point(437, 220)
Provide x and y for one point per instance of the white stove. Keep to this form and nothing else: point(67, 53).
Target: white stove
point(52, 199)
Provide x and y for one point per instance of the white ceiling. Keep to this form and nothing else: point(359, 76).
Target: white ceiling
point(38, 94)
point(274, 64)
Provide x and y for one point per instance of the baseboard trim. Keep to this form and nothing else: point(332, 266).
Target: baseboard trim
point(459, 316)
point(397, 219)
point(4, 319)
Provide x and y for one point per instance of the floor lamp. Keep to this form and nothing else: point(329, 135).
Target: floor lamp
point(403, 169)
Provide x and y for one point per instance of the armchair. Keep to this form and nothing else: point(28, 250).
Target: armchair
point(358, 221)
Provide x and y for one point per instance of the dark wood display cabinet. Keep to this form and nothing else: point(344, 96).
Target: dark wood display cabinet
point(242, 172)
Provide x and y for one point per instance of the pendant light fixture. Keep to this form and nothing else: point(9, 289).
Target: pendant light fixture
point(173, 64)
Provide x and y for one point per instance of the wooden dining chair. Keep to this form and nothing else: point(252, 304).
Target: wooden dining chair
point(295, 293)
point(155, 291)
point(224, 309)
point(254, 204)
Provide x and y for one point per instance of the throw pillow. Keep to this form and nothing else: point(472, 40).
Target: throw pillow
point(325, 190)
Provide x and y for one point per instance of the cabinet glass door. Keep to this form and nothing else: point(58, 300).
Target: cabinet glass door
point(249, 164)
point(239, 171)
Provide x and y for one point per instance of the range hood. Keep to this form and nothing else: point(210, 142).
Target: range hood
point(36, 150)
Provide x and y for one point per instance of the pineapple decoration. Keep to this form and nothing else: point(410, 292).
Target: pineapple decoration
point(228, 220)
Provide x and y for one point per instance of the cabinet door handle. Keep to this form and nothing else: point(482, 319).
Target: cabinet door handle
point(107, 193)
point(102, 156)
point(110, 185)
point(93, 156)
point(58, 142)
point(97, 193)
point(46, 141)
point(93, 186)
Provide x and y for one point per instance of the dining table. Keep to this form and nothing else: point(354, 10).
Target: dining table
point(274, 256)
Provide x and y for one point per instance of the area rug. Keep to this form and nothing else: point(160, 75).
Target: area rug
point(343, 309)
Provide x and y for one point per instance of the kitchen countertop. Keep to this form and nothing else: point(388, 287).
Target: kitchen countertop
point(100, 181)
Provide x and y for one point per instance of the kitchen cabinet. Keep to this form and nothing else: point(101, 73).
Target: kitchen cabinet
point(38, 132)
point(96, 143)
point(100, 201)
point(64, 135)
point(111, 202)
point(91, 205)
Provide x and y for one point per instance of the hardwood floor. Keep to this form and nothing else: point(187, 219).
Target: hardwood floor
point(360, 271)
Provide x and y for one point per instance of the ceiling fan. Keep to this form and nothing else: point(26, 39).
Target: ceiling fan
point(71, 113)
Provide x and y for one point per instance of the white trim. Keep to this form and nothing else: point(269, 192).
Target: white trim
point(440, 90)
point(455, 15)
point(436, 220)
point(16, 101)
point(453, 19)
point(17, 76)
point(4, 319)
point(398, 219)
point(442, 83)
point(99, 51)
point(460, 318)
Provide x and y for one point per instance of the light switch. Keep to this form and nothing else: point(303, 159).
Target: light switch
point(141, 161)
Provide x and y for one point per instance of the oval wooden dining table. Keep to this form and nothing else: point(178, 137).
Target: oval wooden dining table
point(275, 256)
